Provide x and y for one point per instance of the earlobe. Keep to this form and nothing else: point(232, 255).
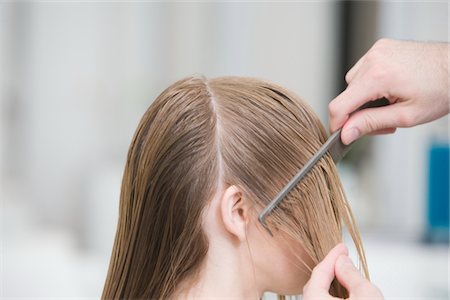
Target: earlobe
point(234, 212)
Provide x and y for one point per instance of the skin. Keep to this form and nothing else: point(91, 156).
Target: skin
point(338, 264)
point(413, 76)
point(243, 260)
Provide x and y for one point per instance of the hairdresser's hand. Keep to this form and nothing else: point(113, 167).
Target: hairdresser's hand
point(413, 76)
point(337, 263)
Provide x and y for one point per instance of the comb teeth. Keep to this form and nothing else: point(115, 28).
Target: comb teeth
point(333, 145)
point(337, 153)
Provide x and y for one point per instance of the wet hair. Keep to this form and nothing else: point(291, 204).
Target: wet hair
point(200, 133)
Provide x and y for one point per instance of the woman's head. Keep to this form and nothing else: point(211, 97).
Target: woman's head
point(207, 156)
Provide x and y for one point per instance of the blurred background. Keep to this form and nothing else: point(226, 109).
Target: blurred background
point(75, 78)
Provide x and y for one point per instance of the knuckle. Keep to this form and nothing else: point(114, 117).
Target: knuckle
point(378, 72)
point(347, 77)
point(378, 50)
point(371, 57)
point(370, 124)
point(382, 44)
point(333, 109)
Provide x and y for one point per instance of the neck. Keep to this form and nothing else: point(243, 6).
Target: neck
point(227, 272)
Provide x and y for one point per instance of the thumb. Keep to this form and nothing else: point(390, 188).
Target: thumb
point(373, 120)
point(348, 275)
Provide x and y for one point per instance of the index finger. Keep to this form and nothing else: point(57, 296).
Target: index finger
point(354, 96)
point(323, 274)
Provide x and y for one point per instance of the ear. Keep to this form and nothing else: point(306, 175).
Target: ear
point(234, 212)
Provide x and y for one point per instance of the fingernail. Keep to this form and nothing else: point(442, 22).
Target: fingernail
point(353, 134)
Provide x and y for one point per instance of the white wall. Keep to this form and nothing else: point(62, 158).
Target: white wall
point(91, 70)
point(80, 75)
point(5, 80)
point(86, 72)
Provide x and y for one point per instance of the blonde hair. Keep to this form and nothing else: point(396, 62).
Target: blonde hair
point(197, 133)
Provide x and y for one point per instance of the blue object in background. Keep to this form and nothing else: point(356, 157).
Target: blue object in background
point(438, 193)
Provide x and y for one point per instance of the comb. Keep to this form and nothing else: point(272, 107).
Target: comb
point(333, 146)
